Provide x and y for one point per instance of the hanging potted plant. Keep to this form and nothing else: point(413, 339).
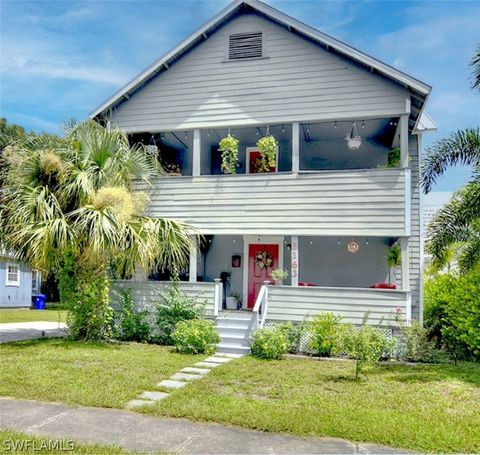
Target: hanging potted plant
point(353, 139)
point(267, 146)
point(394, 259)
point(229, 148)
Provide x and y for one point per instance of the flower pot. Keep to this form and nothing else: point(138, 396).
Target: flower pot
point(231, 303)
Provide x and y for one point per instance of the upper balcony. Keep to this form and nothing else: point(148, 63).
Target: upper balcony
point(318, 187)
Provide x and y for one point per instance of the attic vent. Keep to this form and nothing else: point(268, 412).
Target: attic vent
point(245, 45)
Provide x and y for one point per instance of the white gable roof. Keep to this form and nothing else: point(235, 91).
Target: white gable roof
point(419, 88)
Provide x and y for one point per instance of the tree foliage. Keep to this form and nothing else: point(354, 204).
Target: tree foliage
point(72, 198)
point(458, 222)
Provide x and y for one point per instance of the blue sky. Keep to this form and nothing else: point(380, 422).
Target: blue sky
point(60, 59)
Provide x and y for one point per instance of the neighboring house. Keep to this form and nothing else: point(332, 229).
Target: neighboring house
point(432, 203)
point(17, 282)
point(327, 213)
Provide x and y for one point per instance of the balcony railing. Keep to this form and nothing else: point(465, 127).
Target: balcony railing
point(351, 202)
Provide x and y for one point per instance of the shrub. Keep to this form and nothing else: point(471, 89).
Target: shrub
point(173, 308)
point(366, 344)
point(269, 343)
point(196, 336)
point(418, 347)
point(293, 333)
point(133, 325)
point(324, 331)
point(452, 313)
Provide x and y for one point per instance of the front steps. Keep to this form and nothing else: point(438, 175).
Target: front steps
point(234, 328)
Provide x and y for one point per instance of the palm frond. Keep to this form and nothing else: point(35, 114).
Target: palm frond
point(475, 65)
point(460, 148)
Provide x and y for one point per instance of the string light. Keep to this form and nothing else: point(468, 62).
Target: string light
point(208, 133)
point(186, 135)
point(363, 123)
point(339, 242)
point(283, 129)
point(163, 137)
point(366, 243)
point(335, 124)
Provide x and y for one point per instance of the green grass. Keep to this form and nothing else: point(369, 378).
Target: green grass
point(434, 408)
point(89, 374)
point(26, 315)
point(17, 442)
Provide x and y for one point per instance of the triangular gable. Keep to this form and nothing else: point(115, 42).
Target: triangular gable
point(419, 90)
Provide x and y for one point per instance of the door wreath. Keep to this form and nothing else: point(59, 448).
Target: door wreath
point(264, 259)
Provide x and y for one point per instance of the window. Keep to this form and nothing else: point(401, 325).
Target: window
point(13, 275)
point(35, 282)
point(245, 45)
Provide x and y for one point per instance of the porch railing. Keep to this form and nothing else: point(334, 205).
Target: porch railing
point(260, 308)
point(147, 294)
point(383, 307)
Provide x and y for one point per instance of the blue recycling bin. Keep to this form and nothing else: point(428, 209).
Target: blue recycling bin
point(39, 301)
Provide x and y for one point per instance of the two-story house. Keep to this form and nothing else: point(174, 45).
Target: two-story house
point(333, 205)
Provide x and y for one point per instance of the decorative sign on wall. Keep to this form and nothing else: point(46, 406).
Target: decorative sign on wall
point(352, 246)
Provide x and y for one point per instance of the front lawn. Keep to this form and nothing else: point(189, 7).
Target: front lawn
point(432, 408)
point(26, 315)
point(89, 374)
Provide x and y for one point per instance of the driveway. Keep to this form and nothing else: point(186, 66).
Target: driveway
point(18, 331)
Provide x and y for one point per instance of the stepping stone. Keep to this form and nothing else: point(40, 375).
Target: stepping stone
point(194, 370)
point(169, 384)
point(218, 359)
point(226, 354)
point(207, 365)
point(139, 403)
point(155, 396)
point(185, 377)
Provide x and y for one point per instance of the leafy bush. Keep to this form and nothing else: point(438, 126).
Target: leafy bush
point(293, 333)
point(324, 330)
point(452, 313)
point(196, 336)
point(367, 345)
point(270, 343)
point(173, 308)
point(133, 325)
point(418, 347)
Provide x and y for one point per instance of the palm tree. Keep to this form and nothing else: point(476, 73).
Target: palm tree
point(68, 205)
point(458, 222)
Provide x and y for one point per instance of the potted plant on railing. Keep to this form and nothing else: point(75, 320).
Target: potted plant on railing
point(278, 275)
point(394, 157)
point(394, 259)
point(229, 148)
point(267, 161)
point(172, 169)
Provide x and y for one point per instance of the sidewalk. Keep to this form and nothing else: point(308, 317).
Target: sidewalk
point(18, 331)
point(157, 434)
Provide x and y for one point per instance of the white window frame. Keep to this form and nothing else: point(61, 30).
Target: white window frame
point(9, 282)
point(37, 279)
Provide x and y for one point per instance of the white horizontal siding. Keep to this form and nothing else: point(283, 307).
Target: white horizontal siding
point(297, 81)
point(147, 294)
point(287, 303)
point(357, 202)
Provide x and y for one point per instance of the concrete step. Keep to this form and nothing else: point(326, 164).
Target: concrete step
point(233, 329)
point(232, 348)
point(235, 322)
point(237, 340)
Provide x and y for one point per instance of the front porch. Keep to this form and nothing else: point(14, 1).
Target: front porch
point(323, 275)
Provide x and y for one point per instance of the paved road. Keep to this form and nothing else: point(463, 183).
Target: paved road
point(156, 434)
point(17, 331)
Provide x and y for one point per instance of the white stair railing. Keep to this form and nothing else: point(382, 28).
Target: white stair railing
point(217, 304)
point(261, 307)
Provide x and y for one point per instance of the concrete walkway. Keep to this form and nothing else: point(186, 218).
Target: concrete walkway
point(154, 434)
point(18, 331)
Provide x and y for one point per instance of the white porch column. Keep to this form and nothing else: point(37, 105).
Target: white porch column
point(405, 264)
point(294, 260)
point(404, 141)
point(192, 269)
point(218, 299)
point(295, 147)
point(196, 164)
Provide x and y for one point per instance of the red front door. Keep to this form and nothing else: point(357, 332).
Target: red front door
point(262, 259)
